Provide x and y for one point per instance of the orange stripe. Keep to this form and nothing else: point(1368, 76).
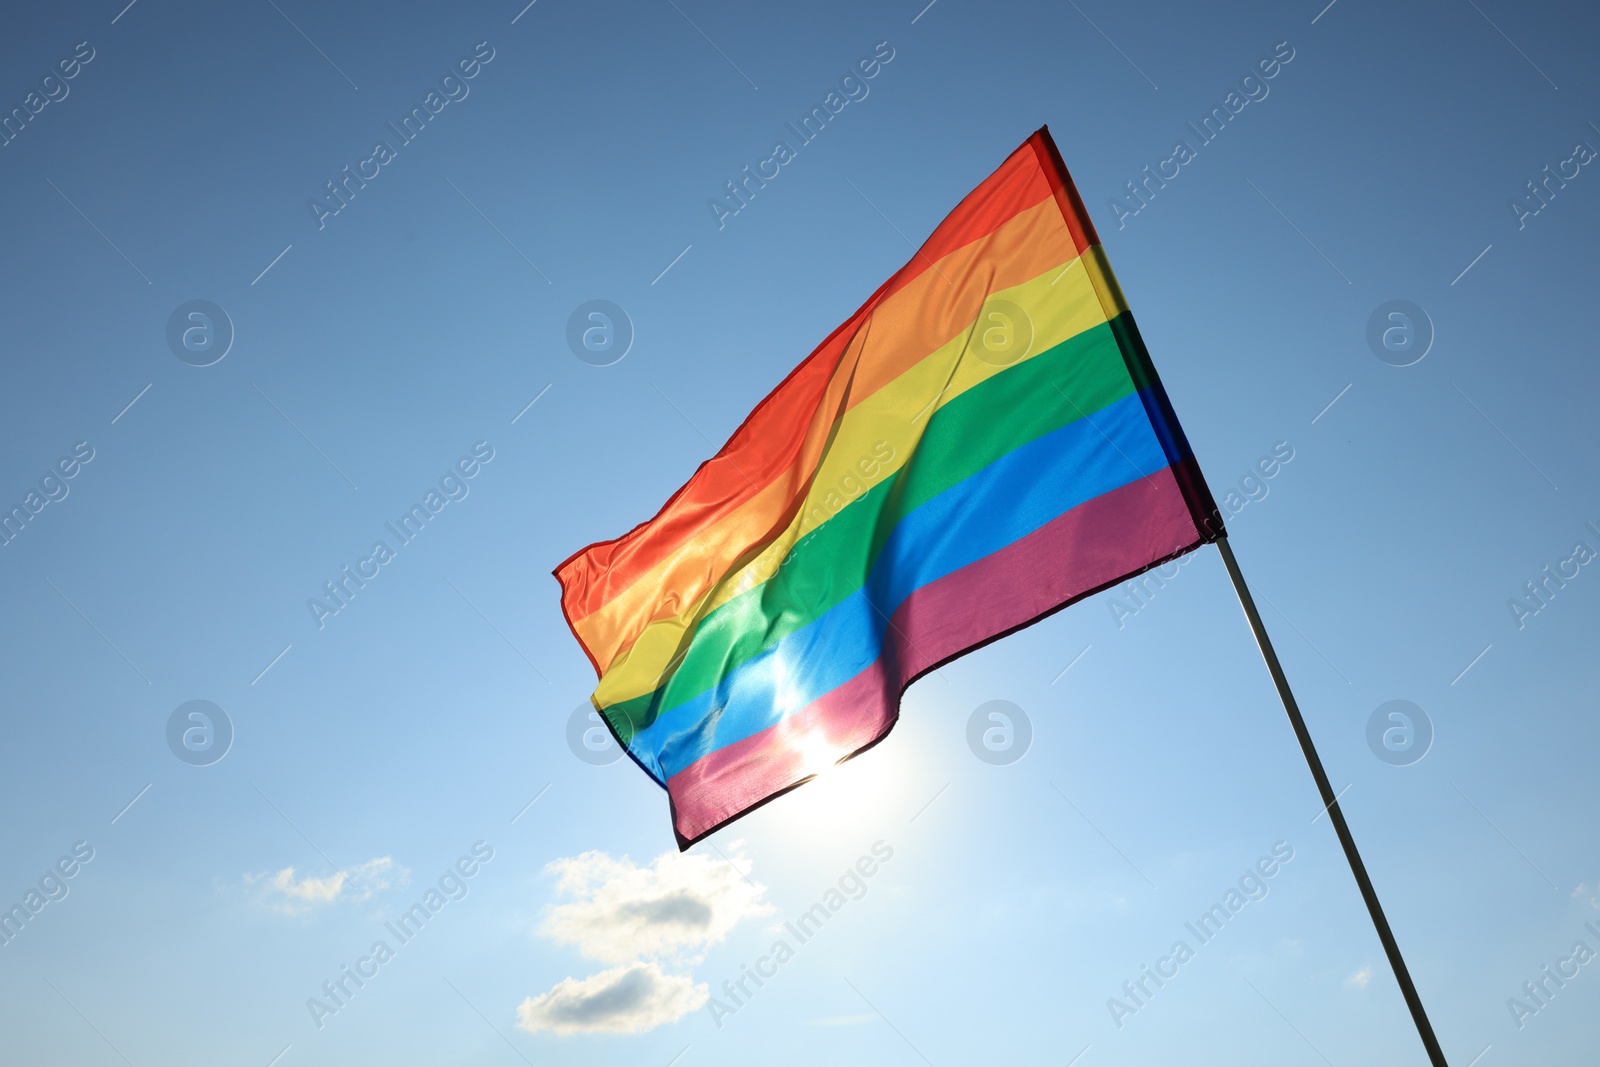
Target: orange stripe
point(772, 438)
point(904, 330)
point(1060, 304)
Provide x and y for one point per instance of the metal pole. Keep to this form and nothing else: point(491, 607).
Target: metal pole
point(1331, 802)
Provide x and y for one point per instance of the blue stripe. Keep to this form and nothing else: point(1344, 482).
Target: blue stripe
point(1005, 501)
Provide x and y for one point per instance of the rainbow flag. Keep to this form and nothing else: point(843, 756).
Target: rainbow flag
point(983, 443)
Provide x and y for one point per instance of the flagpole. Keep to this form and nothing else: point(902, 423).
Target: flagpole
point(1331, 805)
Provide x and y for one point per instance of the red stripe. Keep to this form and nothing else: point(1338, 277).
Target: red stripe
point(1066, 193)
point(770, 438)
point(1093, 546)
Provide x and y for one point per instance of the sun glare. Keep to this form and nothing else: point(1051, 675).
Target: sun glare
point(833, 803)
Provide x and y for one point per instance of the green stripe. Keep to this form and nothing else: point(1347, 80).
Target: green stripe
point(826, 565)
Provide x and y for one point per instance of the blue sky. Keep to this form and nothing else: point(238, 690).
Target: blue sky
point(380, 352)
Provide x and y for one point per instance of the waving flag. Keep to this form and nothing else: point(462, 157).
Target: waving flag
point(981, 444)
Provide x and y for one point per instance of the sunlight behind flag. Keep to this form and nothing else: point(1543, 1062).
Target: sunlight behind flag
point(981, 444)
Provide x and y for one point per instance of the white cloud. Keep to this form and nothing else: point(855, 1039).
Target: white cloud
point(619, 912)
point(309, 888)
point(1590, 896)
point(674, 908)
point(282, 891)
point(1361, 977)
point(623, 1000)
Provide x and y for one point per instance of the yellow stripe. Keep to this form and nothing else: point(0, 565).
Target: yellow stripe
point(936, 306)
point(874, 439)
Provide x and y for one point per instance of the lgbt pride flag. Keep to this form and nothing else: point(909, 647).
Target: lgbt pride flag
point(981, 444)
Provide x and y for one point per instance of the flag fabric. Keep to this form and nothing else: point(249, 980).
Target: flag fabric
point(983, 443)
